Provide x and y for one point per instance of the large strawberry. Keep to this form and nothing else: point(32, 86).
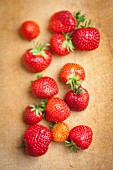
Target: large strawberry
point(86, 38)
point(37, 59)
point(44, 87)
point(62, 21)
point(34, 113)
point(60, 132)
point(37, 139)
point(77, 100)
point(30, 30)
point(61, 44)
point(72, 74)
point(57, 110)
point(80, 138)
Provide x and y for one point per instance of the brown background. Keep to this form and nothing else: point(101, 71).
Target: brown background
point(15, 84)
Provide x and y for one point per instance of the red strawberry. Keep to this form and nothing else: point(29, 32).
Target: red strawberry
point(62, 21)
point(37, 59)
point(72, 74)
point(44, 87)
point(37, 139)
point(61, 44)
point(80, 138)
point(57, 110)
point(86, 39)
point(77, 100)
point(30, 30)
point(34, 113)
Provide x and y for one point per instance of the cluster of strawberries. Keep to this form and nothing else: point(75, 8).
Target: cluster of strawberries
point(71, 32)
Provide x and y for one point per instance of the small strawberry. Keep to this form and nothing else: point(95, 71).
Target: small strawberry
point(37, 139)
point(37, 59)
point(44, 87)
point(30, 30)
point(86, 38)
point(34, 113)
point(77, 100)
point(61, 44)
point(62, 21)
point(57, 110)
point(80, 138)
point(60, 132)
point(72, 74)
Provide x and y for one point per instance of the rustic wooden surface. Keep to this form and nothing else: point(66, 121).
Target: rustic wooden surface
point(15, 84)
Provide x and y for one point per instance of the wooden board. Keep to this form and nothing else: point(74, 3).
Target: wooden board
point(15, 84)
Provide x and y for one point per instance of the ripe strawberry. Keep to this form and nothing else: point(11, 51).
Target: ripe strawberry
point(30, 30)
point(62, 21)
point(57, 110)
point(60, 132)
point(61, 44)
point(72, 74)
point(80, 138)
point(37, 139)
point(77, 100)
point(34, 113)
point(86, 39)
point(37, 59)
point(44, 87)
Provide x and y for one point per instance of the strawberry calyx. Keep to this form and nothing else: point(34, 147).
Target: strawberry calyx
point(81, 20)
point(72, 146)
point(86, 24)
point(68, 42)
point(74, 83)
point(38, 108)
point(40, 49)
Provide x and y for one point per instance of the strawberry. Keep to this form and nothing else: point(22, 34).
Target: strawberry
point(72, 74)
point(30, 30)
point(60, 132)
point(57, 110)
point(80, 138)
point(34, 113)
point(77, 100)
point(37, 139)
point(37, 59)
point(86, 38)
point(61, 44)
point(44, 87)
point(62, 21)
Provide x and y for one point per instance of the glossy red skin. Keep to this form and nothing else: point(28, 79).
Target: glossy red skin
point(86, 39)
point(36, 63)
point(30, 30)
point(44, 87)
point(71, 69)
point(56, 43)
point(57, 110)
point(77, 102)
point(37, 139)
point(82, 136)
point(30, 117)
point(62, 21)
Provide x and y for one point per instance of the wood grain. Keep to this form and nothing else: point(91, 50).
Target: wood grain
point(16, 80)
